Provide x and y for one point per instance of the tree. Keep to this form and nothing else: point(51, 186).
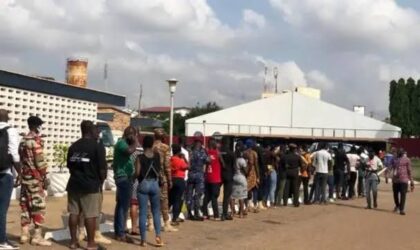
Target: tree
point(416, 109)
point(409, 109)
point(392, 102)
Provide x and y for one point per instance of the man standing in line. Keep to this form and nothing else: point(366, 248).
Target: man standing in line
point(292, 162)
point(195, 184)
point(165, 158)
point(228, 170)
point(321, 160)
point(123, 166)
point(354, 161)
point(340, 172)
point(9, 157)
point(34, 183)
point(86, 161)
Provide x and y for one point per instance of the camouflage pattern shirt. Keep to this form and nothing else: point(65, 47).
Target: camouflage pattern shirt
point(165, 158)
point(34, 166)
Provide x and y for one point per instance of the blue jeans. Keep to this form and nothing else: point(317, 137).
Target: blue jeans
point(149, 190)
point(272, 188)
point(124, 189)
point(6, 187)
point(372, 188)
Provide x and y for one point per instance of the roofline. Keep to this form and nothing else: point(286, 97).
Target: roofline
point(112, 107)
point(325, 138)
point(37, 84)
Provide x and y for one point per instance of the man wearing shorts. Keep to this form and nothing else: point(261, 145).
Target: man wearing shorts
point(87, 164)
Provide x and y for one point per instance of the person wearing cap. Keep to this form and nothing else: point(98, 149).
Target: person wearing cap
point(292, 162)
point(402, 175)
point(10, 158)
point(165, 173)
point(195, 184)
point(34, 183)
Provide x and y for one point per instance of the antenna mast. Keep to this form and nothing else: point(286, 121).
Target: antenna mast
point(140, 97)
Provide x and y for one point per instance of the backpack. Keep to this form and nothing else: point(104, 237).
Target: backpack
point(5, 158)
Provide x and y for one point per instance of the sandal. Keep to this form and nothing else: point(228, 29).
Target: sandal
point(98, 247)
point(159, 242)
point(74, 246)
point(134, 233)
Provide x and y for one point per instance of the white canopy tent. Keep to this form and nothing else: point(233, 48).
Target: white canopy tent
point(292, 115)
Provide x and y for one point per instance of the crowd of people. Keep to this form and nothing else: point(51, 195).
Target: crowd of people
point(154, 181)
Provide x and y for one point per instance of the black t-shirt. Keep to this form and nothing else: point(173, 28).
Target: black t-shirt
point(228, 158)
point(291, 162)
point(149, 166)
point(87, 164)
point(340, 160)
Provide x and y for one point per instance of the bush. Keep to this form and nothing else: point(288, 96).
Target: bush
point(60, 155)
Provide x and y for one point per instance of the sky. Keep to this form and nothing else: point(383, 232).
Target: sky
point(218, 49)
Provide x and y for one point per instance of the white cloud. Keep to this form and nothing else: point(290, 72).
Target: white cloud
point(380, 23)
point(253, 18)
point(318, 79)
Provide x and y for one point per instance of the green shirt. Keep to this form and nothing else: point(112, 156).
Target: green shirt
point(123, 163)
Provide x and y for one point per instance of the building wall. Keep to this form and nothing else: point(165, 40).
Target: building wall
point(121, 120)
point(62, 116)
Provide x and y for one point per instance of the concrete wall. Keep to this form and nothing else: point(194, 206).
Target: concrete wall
point(62, 116)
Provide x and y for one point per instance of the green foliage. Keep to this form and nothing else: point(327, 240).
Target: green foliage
point(404, 106)
point(60, 155)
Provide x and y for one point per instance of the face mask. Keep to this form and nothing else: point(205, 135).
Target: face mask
point(39, 130)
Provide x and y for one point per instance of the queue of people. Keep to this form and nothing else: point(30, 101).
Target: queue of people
point(154, 181)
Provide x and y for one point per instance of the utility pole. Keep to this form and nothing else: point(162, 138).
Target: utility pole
point(140, 97)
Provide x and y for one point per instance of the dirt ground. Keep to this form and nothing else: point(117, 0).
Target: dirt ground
point(343, 225)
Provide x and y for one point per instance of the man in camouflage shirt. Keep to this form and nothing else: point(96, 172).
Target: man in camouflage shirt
point(165, 157)
point(34, 183)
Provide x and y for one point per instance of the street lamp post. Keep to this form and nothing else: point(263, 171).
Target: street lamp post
point(172, 88)
point(276, 74)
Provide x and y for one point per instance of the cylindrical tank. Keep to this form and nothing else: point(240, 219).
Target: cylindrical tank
point(76, 72)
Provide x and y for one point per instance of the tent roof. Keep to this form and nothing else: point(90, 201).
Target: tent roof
point(294, 111)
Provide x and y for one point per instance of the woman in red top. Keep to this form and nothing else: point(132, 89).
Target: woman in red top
point(179, 165)
point(213, 180)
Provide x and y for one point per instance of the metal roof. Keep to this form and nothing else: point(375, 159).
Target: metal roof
point(36, 84)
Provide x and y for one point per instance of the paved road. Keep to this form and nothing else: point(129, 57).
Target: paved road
point(345, 225)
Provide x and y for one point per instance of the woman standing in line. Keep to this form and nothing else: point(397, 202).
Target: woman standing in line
point(213, 180)
point(179, 165)
point(240, 188)
point(147, 172)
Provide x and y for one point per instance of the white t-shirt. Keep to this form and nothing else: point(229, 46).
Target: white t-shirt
point(320, 161)
point(187, 157)
point(353, 159)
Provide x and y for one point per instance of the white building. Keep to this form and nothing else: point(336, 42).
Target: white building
point(61, 106)
point(292, 115)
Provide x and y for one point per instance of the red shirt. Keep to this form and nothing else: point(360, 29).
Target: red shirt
point(214, 170)
point(178, 167)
